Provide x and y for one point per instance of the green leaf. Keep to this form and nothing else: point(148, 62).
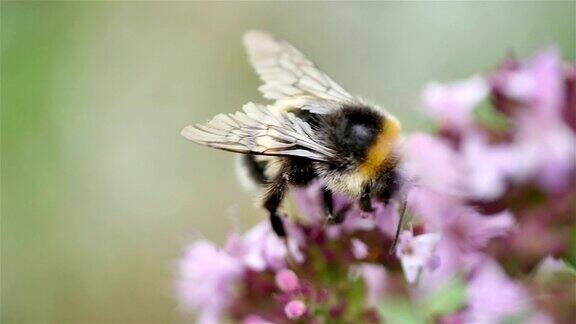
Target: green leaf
point(401, 311)
point(447, 299)
point(356, 298)
point(571, 257)
point(515, 319)
point(570, 268)
point(488, 116)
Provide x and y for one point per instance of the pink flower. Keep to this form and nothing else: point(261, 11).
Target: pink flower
point(309, 202)
point(431, 162)
point(538, 84)
point(287, 280)
point(543, 140)
point(489, 168)
point(260, 248)
point(452, 104)
point(386, 217)
point(467, 228)
point(255, 319)
point(493, 296)
point(450, 261)
point(375, 278)
point(207, 280)
point(550, 266)
point(548, 154)
point(359, 249)
point(415, 253)
point(473, 231)
point(295, 309)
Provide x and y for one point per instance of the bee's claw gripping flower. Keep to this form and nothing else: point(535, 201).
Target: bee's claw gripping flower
point(491, 199)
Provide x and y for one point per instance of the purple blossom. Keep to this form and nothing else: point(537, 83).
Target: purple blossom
point(261, 249)
point(500, 164)
point(287, 280)
point(456, 221)
point(550, 266)
point(295, 309)
point(375, 278)
point(433, 163)
point(452, 104)
point(207, 279)
point(539, 94)
point(448, 263)
point(549, 155)
point(359, 249)
point(255, 319)
point(493, 296)
point(416, 253)
point(538, 85)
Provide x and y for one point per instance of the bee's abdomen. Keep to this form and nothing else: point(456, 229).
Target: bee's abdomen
point(300, 171)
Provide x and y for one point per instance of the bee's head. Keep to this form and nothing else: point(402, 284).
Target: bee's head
point(368, 137)
point(354, 129)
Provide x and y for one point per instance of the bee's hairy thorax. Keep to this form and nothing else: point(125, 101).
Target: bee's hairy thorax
point(365, 138)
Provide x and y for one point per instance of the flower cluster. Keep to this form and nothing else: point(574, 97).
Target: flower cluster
point(491, 198)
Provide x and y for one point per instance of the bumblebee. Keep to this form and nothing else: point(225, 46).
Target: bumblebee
point(314, 130)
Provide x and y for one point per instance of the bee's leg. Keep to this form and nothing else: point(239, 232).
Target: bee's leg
point(366, 202)
point(328, 201)
point(272, 199)
point(328, 204)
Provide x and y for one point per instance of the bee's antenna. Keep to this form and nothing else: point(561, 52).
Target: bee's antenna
point(399, 227)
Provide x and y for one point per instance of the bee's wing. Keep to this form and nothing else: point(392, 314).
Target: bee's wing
point(260, 130)
point(286, 72)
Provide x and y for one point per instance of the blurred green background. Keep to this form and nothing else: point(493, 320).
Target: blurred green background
point(100, 194)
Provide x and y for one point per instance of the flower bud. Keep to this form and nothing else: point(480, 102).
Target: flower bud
point(295, 309)
point(287, 280)
point(359, 249)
